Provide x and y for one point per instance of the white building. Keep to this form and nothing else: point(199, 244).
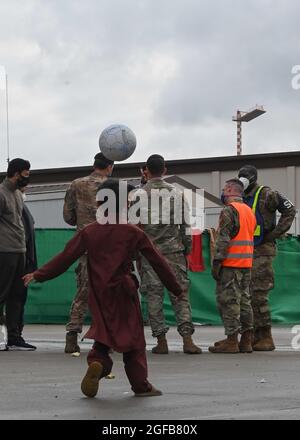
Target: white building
point(280, 171)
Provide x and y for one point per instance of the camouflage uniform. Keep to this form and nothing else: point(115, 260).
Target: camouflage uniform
point(79, 210)
point(262, 273)
point(233, 285)
point(174, 243)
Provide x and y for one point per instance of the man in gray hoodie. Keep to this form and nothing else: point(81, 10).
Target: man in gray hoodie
point(13, 249)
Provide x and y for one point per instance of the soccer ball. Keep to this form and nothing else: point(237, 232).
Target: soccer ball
point(117, 142)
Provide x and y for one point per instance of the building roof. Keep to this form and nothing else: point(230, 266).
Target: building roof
point(181, 166)
point(175, 180)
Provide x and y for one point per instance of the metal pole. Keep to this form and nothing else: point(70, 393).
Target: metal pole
point(239, 133)
point(7, 126)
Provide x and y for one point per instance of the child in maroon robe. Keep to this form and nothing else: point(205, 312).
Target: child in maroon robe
point(113, 299)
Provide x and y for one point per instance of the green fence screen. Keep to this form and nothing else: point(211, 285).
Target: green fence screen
point(49, 303)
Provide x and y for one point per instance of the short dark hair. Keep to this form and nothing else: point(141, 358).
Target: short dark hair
point(114, 186)
point(236, 184)
point(17, 166)
point(156, 164)
point(101, 162)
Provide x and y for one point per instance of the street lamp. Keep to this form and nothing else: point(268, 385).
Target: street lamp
point(245, 117)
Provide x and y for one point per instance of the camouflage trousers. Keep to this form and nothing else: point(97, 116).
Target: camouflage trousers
point(261, 284)
point(234, 300)
point(153, 291)
point(79, 305)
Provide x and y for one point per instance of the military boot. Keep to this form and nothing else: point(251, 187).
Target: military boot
point(255, 336)
point(229, 345)
point(265, 342)
point(220, 342)
point(189, 347)
point(71, 343)
point(162, 345)
point(245, 344)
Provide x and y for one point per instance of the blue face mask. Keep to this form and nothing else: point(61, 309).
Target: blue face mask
point(110, 174)
point(223, 199)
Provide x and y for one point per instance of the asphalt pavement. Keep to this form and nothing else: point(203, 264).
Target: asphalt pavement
point(45, 384)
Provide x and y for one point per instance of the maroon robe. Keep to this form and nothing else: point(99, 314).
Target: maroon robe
point(113, 298)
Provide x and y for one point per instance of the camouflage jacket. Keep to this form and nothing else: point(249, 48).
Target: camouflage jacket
point(80, 205)
point(269, 202)
point(228, 228)
point(166, 223)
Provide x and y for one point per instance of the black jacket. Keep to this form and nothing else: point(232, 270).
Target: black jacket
point(31, 257)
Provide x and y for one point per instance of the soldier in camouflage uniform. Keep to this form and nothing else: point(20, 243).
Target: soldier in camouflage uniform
point(231, 269)
point(264, 202)
point(174, 242)
point(143, 182)
point(79, 210)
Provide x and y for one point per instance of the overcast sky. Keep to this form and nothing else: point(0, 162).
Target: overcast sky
point(174, 71)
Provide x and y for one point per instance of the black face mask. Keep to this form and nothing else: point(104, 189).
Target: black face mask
point(23, 181)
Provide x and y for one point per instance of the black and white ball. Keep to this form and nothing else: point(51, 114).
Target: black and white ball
point(117, 142)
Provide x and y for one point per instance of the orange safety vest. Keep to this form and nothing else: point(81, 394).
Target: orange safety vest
point(240, 251)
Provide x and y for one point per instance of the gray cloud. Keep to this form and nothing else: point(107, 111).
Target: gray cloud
point(175, 71)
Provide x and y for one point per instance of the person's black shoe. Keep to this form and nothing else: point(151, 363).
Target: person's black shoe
point(19, 345)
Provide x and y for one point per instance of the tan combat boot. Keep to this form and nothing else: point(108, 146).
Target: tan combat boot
point(162, 345)
point(90, 382)
point(265, 342)
point(189, 347)
point(220, 342)
point(256, 336)
point(71, 343)
point(245, 344)
point(229, 345)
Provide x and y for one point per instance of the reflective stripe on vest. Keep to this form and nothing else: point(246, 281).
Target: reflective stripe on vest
point(257, 229)
point(240, 251)
point(242, 243)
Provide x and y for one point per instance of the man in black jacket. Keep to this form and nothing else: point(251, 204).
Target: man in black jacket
point(13, 249)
